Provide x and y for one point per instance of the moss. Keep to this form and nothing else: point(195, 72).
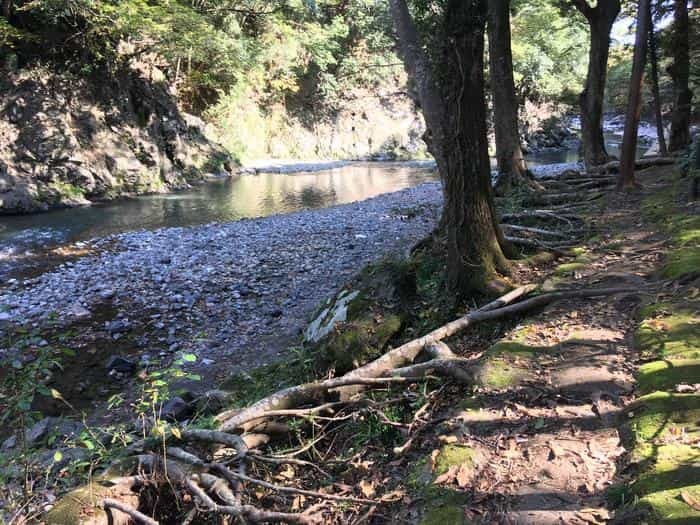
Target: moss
point(444, 514)
point(662, 413)
point(682, 261)
point(670, 471)
point(567, 268)
point(357, 342)
point(540, 258)
point(77, 504)
point(684, 229)
point(672, 336)
point(666, 374)
point(453, 456)
point(507, 363)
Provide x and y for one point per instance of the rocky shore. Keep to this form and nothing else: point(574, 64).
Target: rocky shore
point(233, 294)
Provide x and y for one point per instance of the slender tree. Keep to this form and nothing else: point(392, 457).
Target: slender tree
point(680, 75)
point(654, 69)
point(512, 167)
point(600, 21)
point(455, 114)
point(626, 179)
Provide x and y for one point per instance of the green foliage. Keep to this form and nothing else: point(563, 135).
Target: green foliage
point(549, 52)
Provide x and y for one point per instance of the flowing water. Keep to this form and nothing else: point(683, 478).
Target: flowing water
point(244, 196)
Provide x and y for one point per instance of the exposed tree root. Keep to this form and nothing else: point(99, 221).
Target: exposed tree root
point(134, 514)
point(218, 488)
point(537, 231)
point(614, 166)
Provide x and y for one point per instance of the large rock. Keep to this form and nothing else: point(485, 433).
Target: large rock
point(66, 142)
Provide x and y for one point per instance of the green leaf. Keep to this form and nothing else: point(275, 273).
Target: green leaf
point(57, 456)
point(88, 444)
point(190, 358)
point(194, 377)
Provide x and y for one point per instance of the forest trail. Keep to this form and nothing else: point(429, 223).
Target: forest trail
point(541, 441)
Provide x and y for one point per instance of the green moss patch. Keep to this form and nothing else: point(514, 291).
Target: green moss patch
point(666, 374)
point(453, 456)
point(357, 342)
point(660, 414)
point(671, 474)
point(675, 336)
point(443, 511)
point(507, 364)
point(682, 261)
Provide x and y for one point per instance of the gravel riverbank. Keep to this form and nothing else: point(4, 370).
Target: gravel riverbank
point(233, 293)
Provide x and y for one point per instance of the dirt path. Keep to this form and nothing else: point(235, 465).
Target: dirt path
point(540, 441)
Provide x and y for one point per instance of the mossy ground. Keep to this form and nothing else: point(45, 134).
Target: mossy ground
point(442, 505)
point(665, 424)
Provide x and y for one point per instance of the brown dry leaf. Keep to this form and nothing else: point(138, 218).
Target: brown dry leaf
point(367, 488)
point(448, 476)
point(394, 495)
point(555, 451)
point(433, 457)
point(298, 502)
point(512, 450)
point(447, 439)
point(463, 475)
point(690, 500)
point(287, 473)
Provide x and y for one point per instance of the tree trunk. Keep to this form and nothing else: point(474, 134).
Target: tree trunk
point(6, 8)
point(680, 74)
point(654, 63)
point(600, 21)
point(455, 114)
point(626, 179)
point(512, 169)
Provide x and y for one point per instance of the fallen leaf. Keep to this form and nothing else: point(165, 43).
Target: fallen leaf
point(690, 500)
point(464, 475)
point(448, 476)
point(367, 488)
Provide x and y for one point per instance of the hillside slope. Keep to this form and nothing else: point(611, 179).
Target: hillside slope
point(67, 140)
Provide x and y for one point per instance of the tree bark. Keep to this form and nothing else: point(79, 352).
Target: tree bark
point(626, 180)
point(512, 168)
point(654, 63)
point(600, 21)
point(680, 74)
point(6, 8)
point(455, 114)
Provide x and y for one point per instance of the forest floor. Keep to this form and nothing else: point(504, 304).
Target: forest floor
point(588, 405)
point(585, 411)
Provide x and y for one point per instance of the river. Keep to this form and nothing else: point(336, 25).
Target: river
point(243, 196)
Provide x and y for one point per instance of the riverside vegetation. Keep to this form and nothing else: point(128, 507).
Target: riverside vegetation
point(458, 352)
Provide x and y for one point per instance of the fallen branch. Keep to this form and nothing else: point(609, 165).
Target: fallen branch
point(537, 231)
point(134, 514)
point(614, 166)
point(535, 243)
point(542, 214)
point(247, 511)
point(232, 477)
point(372, 372)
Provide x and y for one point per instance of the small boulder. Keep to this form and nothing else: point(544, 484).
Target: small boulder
point(175, 409)
point(117, 363)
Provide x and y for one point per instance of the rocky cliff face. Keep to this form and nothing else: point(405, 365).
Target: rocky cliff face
point(68, 141)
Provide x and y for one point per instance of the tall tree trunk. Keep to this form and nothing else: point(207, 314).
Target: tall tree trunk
point(626, 179)
point(600, 21)
point(455, 114)
point(6, 8)
point(680, 74)
point(654, 63)
point(512, 169)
